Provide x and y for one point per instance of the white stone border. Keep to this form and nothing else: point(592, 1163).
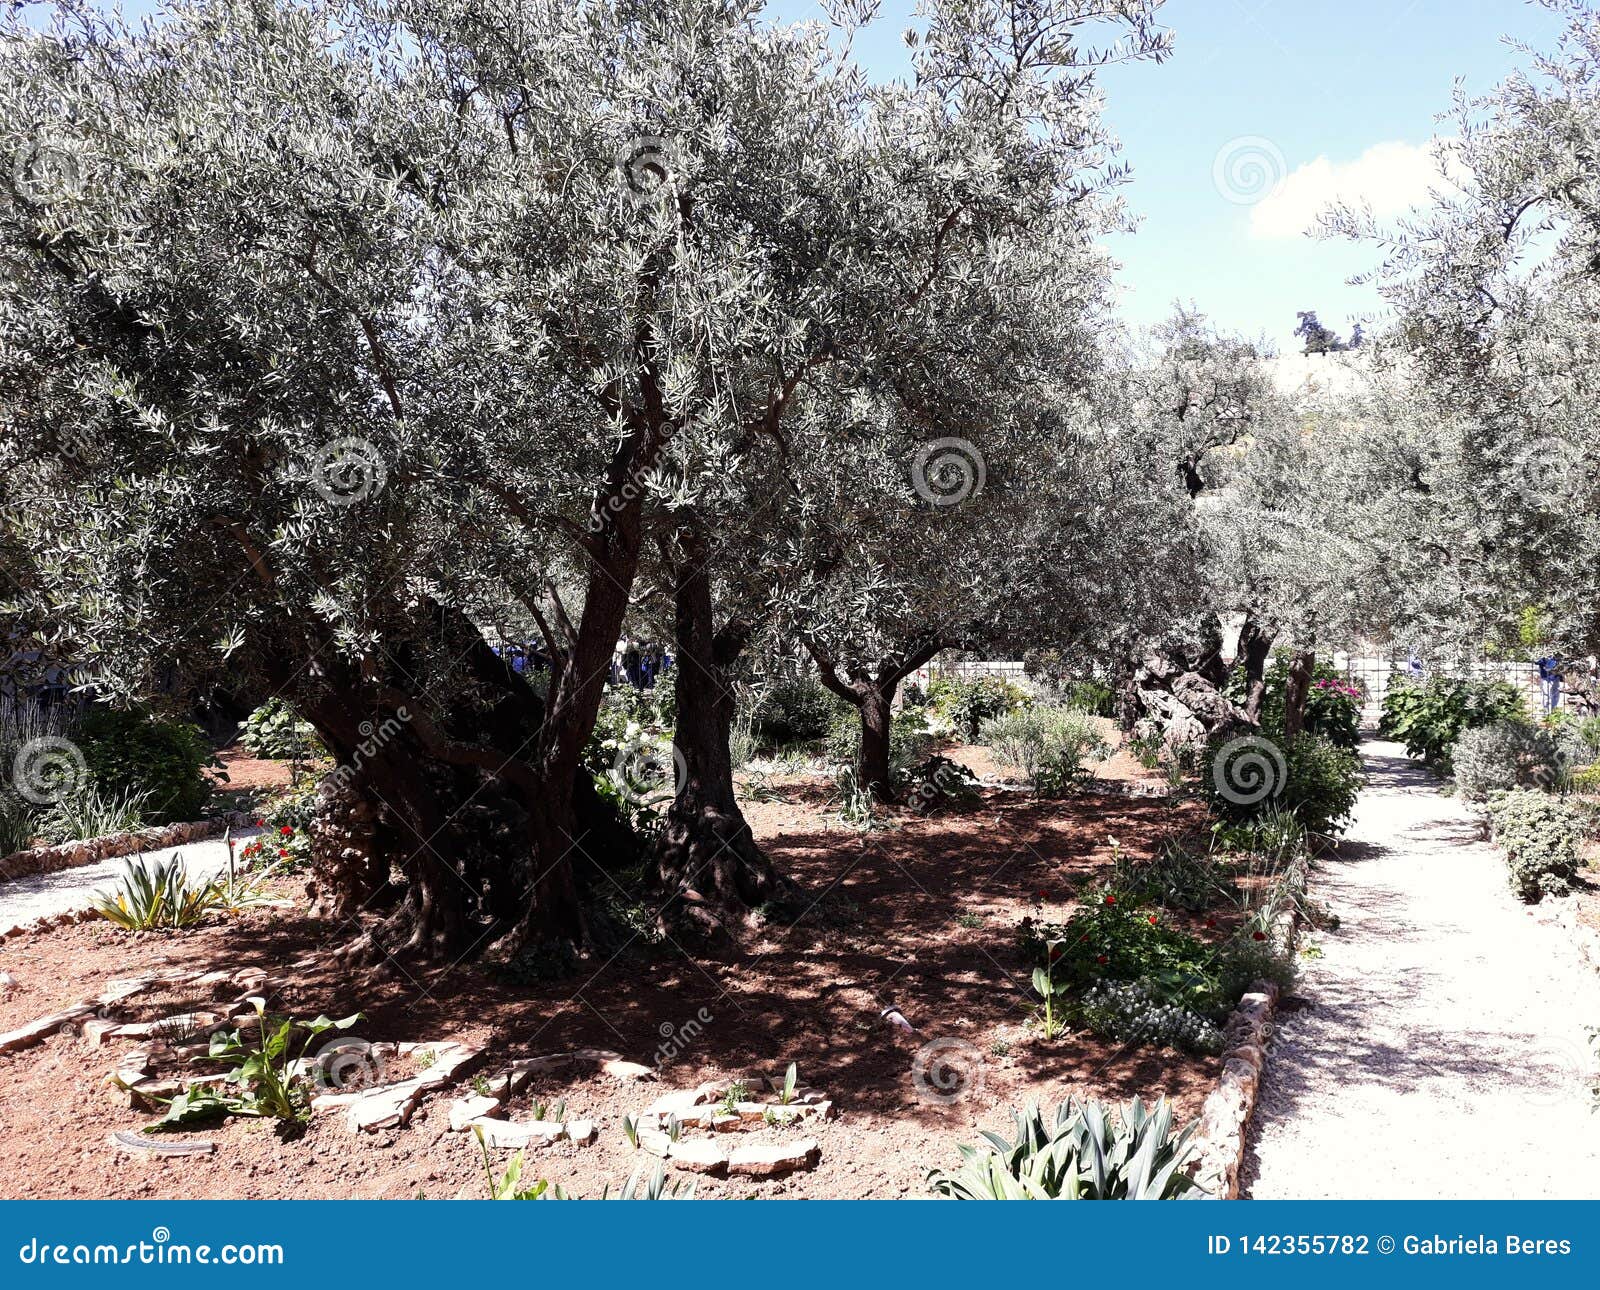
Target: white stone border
point(1228, 1110)
point(69, 855)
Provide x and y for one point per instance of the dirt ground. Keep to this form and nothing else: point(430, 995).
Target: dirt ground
point(921, 917)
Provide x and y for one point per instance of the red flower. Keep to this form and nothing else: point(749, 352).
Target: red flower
point(285, 830)
point(1211, 922)
point(1152, 920)
point(1055, 952)
point(1258, 936)
point(282, 851)
point(1101, 959)
point(1111, 900)
point(261, 824)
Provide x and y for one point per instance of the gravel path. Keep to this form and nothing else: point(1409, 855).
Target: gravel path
point(1444, 1054)
point(24, 899)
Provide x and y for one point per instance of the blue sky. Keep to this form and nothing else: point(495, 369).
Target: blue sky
point(1308, 87)
point(1321, 84)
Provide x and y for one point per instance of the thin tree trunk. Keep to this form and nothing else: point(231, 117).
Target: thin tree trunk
point(706, 856)
point(1295, 692)
point(876, 710)
point(1257, 642)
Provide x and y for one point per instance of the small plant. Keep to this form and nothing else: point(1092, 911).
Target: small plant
point(275, 730)
point(1000, 1048)
point(791, 1080)
point(480, 1086)
point(1134, 1012)
point(86, 812)
point(737, 1092)
point(969, 921)
point(1054, 994)
point(263, 1071)
point(1078, 1153)
point(1049, 746)
point(155, 894)
point(630, 1130)
point(1541, 836)
point(509, 1185)
point(674, 1128)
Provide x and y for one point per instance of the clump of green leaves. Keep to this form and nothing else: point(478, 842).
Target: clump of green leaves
point(1078, 1153)
point(260, 1063)
point(154, 894)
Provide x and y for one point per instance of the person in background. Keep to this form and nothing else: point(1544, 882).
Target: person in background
point(1550, 682)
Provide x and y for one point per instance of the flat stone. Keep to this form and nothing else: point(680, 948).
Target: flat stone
point(699, 1156)
point(97, 1030)
point(772, 1159)
point(621, 1070)
point(138, 1144)
point(656, 1142)
point(512, 1135)
point(680, 1102)
point(35, 1032)
point(582, 1131)
point(467, 1109)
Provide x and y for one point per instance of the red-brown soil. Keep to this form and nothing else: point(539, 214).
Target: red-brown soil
point(921, 917)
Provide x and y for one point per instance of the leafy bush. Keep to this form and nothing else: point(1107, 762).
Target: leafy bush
point(275, 730)
point(967, 704)
point(84, 812)
point(1587, 780)
point(1429, 718)
point(909, 741)
point(1135, 1012)
point(1116, 940)
point(1077, 1153)
point(135, 752)
point(1540, 835)
point(1049, 745)
point(18, 824)
point(1506, 755)
point(1333, 702)
point(1245, 779)
point(155, 894)
point(793, 710)
point(1173, 879)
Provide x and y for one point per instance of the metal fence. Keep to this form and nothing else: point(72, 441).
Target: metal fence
point(1374, 674)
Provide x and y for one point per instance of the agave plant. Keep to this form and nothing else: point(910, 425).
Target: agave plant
point(1078, 1153)
point(155, 893)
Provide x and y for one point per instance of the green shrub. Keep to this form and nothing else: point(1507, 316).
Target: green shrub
point(1076, 1153)
point(967, 704)
point(155, 894)
point(1429, 718)
point(1247, 777)
point(134, 752)
point(84, 812)
point(909, 741)
point(1134, 1012)
point(794, 710)
point(275, 730)
point(18, 824)
point(1506, 755)
point(1116, 940)
point(1587, 780)
point(1333, 701)
point(1173, 879)
point(1049, 745)
point(1540, 835)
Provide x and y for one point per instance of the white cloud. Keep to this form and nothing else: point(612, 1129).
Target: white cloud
point(1390, 177)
